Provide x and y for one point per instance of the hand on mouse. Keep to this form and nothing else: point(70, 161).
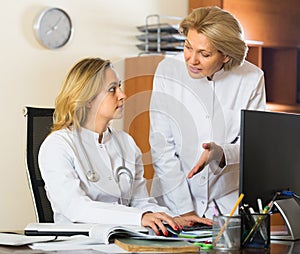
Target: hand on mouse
point(171, 231)
point(157, 221)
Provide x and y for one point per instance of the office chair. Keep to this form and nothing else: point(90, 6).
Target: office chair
point(39, 121)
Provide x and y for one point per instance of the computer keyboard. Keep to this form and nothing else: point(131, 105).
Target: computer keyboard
point(197, 226)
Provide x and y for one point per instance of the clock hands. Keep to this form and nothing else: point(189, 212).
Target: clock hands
point(54, 27)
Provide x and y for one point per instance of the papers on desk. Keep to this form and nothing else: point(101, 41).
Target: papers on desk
point(77, 242)
point(91, 237)
point(12, 239)
point(81, 242)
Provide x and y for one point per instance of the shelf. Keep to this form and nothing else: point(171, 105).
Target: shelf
point(295, 108)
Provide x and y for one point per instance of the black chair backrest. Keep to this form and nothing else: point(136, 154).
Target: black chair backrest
point(39, 121)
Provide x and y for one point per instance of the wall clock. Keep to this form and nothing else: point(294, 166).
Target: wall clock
point(53, 28)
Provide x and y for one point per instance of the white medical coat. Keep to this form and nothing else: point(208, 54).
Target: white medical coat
point(186, 112)
point(64, 163)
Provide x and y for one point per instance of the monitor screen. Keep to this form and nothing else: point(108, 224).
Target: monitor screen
point(270, 155)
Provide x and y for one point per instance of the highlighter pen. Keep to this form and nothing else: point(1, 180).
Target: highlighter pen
point(204, 246)
point(263, 232)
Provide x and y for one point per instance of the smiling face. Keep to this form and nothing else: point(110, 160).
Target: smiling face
point(108, 104)
point(201, 57)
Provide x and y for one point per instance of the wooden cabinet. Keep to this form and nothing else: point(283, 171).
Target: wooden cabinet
point(139, 73)
point(254, 54)
point(275, 23)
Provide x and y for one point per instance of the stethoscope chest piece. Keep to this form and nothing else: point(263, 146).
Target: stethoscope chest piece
point(92, 176)
point(124, 171)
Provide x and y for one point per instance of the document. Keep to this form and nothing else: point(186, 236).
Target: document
point(75, 243)
point(99, 233)
point(12, 239)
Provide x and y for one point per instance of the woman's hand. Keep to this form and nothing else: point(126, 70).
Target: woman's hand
point(189, 220)
point(155, 221)
point(212, 152)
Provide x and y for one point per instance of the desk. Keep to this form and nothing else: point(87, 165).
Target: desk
point(277, 247)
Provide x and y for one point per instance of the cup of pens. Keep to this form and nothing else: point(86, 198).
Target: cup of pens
point(256, 230)
point(226, 232)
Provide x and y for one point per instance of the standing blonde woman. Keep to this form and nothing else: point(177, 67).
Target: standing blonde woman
point(195, 114)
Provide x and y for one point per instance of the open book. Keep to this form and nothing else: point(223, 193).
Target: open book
point(102, 233)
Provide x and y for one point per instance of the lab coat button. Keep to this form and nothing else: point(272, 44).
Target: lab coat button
point(202, 202)
point(203, 177)
point(100, 145)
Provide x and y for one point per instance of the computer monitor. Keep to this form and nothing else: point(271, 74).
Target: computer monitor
point(269, 155)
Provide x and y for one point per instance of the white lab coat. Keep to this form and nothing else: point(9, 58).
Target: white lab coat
point(187, 112)
point(64, 163)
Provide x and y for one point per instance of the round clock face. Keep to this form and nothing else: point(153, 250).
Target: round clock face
point(53, 28)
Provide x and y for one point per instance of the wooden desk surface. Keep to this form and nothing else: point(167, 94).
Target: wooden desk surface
point(277, 247)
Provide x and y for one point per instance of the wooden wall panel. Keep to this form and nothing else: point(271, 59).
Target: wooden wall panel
point(275, 22)
point(193, 4)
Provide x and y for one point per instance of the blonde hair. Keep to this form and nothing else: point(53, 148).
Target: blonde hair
point(82, 84)
point(222, 29)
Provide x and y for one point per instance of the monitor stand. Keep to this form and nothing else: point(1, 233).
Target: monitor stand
point(290, 212)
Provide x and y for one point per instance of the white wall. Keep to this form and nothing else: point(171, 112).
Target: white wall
point(32, 75)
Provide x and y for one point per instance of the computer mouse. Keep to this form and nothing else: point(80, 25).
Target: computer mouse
point(171, 231)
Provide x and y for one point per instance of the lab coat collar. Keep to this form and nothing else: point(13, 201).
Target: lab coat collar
point(92, 136)
point(218, 74)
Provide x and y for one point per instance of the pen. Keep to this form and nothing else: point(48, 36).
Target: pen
point(230, 215)
point(259, 204)
point(235, 140)
point(217, 207)
point(259, 220)
point(248, 218)
point(217, 212)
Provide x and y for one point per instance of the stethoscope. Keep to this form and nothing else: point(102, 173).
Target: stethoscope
point(94, 176)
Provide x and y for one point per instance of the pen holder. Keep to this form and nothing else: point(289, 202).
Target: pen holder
point(256, 231)
point(226, 232)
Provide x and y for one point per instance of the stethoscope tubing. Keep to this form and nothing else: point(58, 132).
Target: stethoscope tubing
point(93, 176)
